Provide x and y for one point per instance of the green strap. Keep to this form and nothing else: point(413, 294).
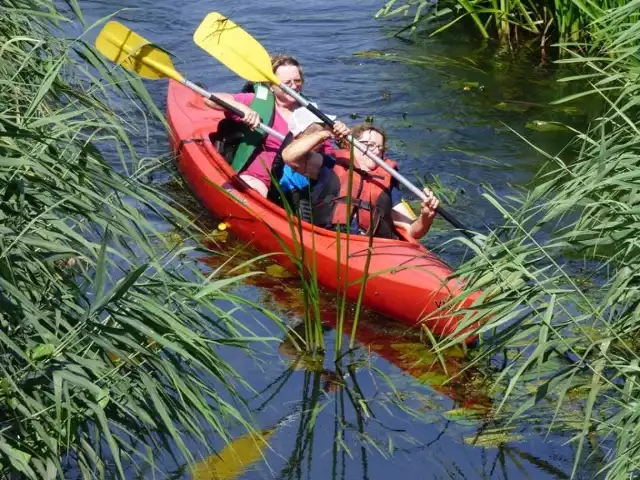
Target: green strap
point(263, 103)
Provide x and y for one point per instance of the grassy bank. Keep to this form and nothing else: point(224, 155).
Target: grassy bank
point(548, 21)
point(577, 334)
point(110, 336)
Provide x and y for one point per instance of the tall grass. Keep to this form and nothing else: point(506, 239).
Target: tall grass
point(550, 20)
point(312, 341)
point(110, 338)
point(563, 274)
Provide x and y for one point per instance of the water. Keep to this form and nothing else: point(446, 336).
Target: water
point(448, 114)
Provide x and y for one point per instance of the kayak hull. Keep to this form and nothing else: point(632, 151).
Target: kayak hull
point(404, 280)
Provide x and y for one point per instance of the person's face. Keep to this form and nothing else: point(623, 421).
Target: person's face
point(288, 75)
point(374, 142)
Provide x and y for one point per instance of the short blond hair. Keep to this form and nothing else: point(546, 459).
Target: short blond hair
point(282, 60)
point(277, 61)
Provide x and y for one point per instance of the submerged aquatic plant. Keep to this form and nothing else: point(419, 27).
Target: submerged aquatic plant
point(577, 334)
point(110, 337)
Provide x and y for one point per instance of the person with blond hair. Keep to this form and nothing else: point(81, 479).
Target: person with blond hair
point(254, 156)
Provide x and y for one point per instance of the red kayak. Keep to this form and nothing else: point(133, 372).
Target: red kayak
point(405, 281)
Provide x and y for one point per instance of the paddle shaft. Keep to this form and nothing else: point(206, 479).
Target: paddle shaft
point(393, 172)
point(266, 129)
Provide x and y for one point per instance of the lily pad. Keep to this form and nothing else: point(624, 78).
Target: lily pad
point(544, 126)
point(216, 236)
point(276, 271)
point(310, 363)
point(593, 334)
point(511, 107)
point(173, 239)
point(493, 439)
point(414, 353)
point(42, 351)
point(435, 379)
point(465, 416)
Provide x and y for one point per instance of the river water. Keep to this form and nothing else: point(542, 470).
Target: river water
point(449, 112)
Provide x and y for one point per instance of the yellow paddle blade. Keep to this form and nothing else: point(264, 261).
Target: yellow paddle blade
point(135, 53)
point(235, 48)
point(234, 459)
point(412, 214)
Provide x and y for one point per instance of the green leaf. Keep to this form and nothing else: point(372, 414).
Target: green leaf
point(42, 351)
point(76, 10)
point(101, 273)
point(45, 87)
point(19, 459)
point(119, 290)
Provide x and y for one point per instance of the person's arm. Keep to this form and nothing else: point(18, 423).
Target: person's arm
point(251, 117)
point(296, 154)
point(299, 155)
point(417, 227)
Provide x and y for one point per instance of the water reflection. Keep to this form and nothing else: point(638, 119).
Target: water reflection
point(388, 404)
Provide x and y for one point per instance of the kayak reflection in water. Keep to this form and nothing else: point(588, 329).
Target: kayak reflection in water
point(376, 207)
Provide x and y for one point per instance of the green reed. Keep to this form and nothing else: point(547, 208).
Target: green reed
point(550, 20)
point(306, 270)
point(110, 336)
point(578, 335)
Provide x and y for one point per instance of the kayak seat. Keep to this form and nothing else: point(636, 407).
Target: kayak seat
point(226, 139)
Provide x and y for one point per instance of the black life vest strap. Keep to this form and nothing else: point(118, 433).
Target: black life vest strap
point(277, 170)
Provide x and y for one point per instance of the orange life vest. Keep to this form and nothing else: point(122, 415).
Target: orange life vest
point(370, 196)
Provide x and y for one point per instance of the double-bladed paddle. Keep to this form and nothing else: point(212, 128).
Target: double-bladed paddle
point(135, 53)
point(240, 52)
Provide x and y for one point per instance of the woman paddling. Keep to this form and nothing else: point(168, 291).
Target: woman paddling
point(255, 169)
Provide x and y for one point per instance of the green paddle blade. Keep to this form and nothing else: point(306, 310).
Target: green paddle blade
point(235, 48)
point(135, 53)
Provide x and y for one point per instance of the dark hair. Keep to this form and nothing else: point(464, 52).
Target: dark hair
point(360, 128)
point(248, 87)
